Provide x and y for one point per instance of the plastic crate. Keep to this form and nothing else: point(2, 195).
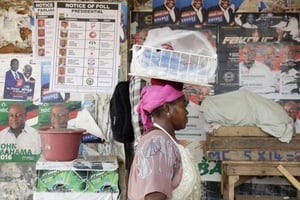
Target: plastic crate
point(152, 62)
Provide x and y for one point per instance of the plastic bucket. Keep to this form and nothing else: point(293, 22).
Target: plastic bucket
point(61, 144)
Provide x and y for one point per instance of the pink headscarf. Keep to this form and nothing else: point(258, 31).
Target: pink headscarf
point(154, 96)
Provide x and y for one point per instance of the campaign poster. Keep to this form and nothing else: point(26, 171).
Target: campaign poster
point(269, 6)
point(188, 12)
point(123, 28)
point(48, 95)
point(27, 148)
point(259, 59)
point(292, 108)
point(44, 118)
point(141, 5)
point(18, 77)
point(139, 26)
point(201, 13)
point(165, 12)
point(139, 20)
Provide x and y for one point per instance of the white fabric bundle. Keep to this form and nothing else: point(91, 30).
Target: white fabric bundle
point(245, 108)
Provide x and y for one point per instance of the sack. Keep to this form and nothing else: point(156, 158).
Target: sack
point(120, 113)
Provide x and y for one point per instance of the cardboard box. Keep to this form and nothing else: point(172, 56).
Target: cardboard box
point(61, 181)
point(74, 195)
point(83, 177)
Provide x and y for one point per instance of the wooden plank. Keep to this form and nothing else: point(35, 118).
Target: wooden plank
point(289, 176)
point(252, 148)
point(270, 143)
point(258, 168)
point(253, 155)
point(240, 131)
point(242, 179)
point(250, 163)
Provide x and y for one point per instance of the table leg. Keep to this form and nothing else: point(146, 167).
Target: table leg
point(229, 187)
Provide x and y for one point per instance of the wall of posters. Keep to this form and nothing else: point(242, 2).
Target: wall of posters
point(258, 49)
point(29, 40)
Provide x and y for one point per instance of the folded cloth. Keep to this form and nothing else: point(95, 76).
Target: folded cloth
point(245, 108)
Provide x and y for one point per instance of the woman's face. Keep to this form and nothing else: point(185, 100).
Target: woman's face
point(178, 113)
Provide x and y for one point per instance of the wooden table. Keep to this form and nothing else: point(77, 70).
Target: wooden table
point(246, 152)
point(235, 173)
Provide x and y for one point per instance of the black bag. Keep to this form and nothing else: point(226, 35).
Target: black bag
point(120, 113)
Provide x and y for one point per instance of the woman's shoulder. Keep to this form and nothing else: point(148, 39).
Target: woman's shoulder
point(155, 133)
point(155, 136)
point(155, 142)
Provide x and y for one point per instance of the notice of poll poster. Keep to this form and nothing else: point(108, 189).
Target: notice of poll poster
point(44, 28)
point(86, 48)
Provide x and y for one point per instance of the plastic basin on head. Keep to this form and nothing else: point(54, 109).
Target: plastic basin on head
point(61, 144)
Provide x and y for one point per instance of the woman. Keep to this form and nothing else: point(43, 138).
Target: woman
point(162, 168)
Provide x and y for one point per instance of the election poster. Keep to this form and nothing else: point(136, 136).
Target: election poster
point(14, 116)
point(18, 77)
point(262, 60)
point(86, 52)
